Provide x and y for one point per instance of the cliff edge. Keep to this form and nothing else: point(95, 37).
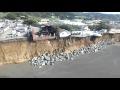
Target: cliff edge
point(21, 51)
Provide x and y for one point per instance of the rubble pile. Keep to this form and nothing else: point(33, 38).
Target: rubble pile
point(50, 59)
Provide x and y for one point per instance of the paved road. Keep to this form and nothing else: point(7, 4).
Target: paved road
point(103, 64)
point(3, 35)
point(9, 31)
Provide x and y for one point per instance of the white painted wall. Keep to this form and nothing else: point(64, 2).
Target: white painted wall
point(85, 33)
point(64, 34)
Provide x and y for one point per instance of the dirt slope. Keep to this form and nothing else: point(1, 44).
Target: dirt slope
point(17, 52)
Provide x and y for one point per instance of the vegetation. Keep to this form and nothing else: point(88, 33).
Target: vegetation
point(60, 15)
point(11, 16)
point(96, 15)
point(2, 14)
point(16, 15)
point(100, 26)
point(30, 22)
point(69, 27)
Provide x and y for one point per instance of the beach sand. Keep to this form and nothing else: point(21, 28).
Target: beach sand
point(102, 64)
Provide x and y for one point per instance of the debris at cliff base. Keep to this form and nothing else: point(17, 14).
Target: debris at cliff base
point(51, 58)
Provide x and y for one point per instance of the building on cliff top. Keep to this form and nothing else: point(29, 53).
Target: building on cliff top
point(63, 33)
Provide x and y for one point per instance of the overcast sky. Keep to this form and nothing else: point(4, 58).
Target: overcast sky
point(107, 12)
point(111, 12)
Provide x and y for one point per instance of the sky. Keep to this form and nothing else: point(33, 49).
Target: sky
point(111, 12)
point(107, 12)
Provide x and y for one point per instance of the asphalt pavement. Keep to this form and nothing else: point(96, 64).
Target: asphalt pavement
point(4, 34)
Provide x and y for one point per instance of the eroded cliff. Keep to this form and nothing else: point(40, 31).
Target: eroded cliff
point(17, 52)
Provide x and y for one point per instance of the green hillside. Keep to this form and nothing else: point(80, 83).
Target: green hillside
point(37, 15)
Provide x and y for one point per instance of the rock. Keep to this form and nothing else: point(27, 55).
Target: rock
point(46, 57)
point(42, 57)
point(71, 58)
point(49, 59)
point(43, 64)
point(96, 50)
point(40, 66)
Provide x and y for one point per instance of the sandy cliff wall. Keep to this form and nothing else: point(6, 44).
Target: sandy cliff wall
point(17, 52)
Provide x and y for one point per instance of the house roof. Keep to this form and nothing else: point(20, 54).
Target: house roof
point(63, 30)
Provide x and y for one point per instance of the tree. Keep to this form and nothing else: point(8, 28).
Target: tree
point(103, 26)
point(69, 27)
point(30, 22)
point(11, 16)
point(66, 27)
point(93, 27)
point(100, 26)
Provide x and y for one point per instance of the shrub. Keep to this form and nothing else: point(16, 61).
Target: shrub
point(30, 22)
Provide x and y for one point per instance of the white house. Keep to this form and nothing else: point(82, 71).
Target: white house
point(97, 34)
point(114, 31)
point(64, 33)
point(77, 33)
point(81, 33)
point(79, 23)
point(43, 21)
point(86, 28)
point(84, 33)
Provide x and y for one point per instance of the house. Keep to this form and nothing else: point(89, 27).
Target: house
point(84, 34)
point(78, 23)
point(43, 21)
point(114, 31)
point(63, 33)
point(81, 33)
point(86, 28)
point(97, 34)
point(76, 33)
point(46, 31)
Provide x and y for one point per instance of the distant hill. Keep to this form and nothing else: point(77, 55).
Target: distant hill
point(61, 15)
point(96, 15)
point(65, 15)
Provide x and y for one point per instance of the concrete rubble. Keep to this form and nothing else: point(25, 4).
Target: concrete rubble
point(50, 59)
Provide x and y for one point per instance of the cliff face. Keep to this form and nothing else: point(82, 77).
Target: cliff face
point(17, 52)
